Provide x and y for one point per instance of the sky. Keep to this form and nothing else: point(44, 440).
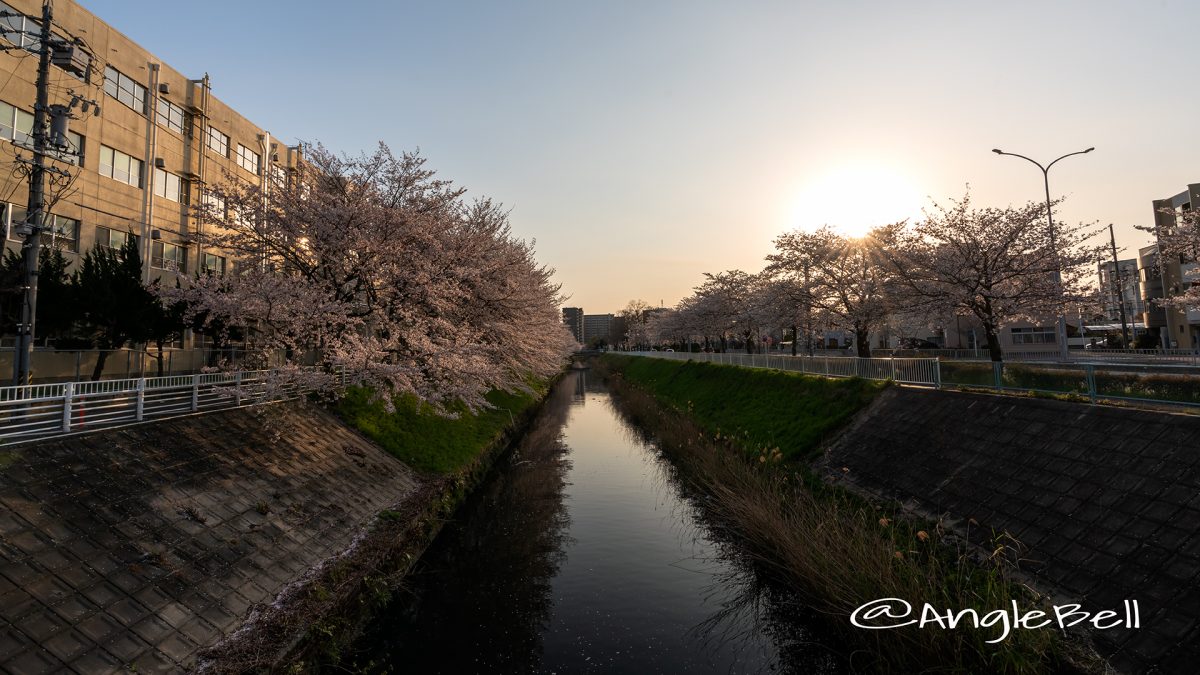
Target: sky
point(644, 143)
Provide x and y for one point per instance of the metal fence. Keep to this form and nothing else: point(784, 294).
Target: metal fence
point(54, 365)
point(1117, 381)
point(921, 372)
point(1165, 356)
point(47, 410)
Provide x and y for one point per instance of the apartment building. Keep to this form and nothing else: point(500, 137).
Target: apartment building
point(160, 141)
point(598, 327)
point(1179, 327)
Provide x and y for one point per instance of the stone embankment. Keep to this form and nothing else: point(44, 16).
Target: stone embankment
point(136, 548)
point(1105, 502)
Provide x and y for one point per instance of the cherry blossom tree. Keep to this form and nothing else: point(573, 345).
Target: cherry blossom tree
point(996, 264)
point(842, 279)
point(388, 274)
point(634, 317)
point(793, 270)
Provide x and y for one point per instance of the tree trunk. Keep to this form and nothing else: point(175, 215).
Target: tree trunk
point(862, 339)
point(99, 369)
point(795, 338)
point(159, 344)
point(993, 342)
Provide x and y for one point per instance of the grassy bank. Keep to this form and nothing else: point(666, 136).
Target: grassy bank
point(835, 548)
point(427, 441)
point(763, 409)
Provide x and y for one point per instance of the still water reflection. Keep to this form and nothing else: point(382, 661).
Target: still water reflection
point(582, 553)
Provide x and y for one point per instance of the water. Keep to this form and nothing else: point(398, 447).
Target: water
point(582, 553)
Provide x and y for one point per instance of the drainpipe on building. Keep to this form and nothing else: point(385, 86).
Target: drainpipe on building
point(201, 164)
point(148, 177)
point(264, 144)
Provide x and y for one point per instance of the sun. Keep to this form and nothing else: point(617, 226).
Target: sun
point(854, 199)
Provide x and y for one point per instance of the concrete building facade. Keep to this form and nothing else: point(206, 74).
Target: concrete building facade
point(161, 139)
point(1180, 327)
point(597, 327)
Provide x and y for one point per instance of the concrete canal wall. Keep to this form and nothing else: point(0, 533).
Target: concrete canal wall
point(1104, 501)
point(136, 548)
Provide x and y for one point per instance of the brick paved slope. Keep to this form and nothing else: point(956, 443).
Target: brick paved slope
point(137, 547)
point(1107, 500)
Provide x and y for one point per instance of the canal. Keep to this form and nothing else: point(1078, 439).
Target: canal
point(583, 552)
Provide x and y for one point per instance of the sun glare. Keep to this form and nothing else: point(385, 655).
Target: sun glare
point(854, 199)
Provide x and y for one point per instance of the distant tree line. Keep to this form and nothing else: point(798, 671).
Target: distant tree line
point(994, 265)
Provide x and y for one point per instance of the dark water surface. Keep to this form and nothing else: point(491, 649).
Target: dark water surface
point(582, 553)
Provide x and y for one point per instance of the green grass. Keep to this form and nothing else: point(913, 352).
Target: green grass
point(764, 409)
point(429, 442)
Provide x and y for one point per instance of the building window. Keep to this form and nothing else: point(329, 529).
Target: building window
point(16, 125)
point(168, 185)
point(61, 233)
point(213, 263)
point(247, 159)
point(123, 88)
point(278, 176)
point(166, 256)
point(57, 231)
point(1041, 335)
point(215, 204)
point(120, 166)
point(18, 29)
point(218, 142)
point(114, 239)
point(170, 116)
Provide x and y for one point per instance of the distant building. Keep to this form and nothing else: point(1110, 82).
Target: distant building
point(617, 331)
point(598, 327)
point(1127, 280)
point(573, 320)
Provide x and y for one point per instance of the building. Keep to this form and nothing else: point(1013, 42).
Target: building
point(161, 138)
point(573, 320)
point(1178, 328)
point(1121, 286)
point(598, 327)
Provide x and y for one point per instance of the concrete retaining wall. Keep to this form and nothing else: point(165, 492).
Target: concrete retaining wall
point(138, 547)
point(1106, 500)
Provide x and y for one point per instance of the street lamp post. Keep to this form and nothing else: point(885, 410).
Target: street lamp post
point(1062, 319)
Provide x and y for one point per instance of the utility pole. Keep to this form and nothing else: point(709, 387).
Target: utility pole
point(35, 209)
point(1118, 287)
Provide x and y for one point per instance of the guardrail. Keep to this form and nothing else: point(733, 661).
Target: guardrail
point(920, 372)
point(40, 411)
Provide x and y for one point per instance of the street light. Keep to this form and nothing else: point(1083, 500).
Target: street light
point(1062, 319)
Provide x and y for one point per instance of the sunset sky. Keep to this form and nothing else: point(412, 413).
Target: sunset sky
point(644, 143)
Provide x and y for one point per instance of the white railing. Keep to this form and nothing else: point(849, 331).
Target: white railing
point(921, 372)
point(46, 410)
